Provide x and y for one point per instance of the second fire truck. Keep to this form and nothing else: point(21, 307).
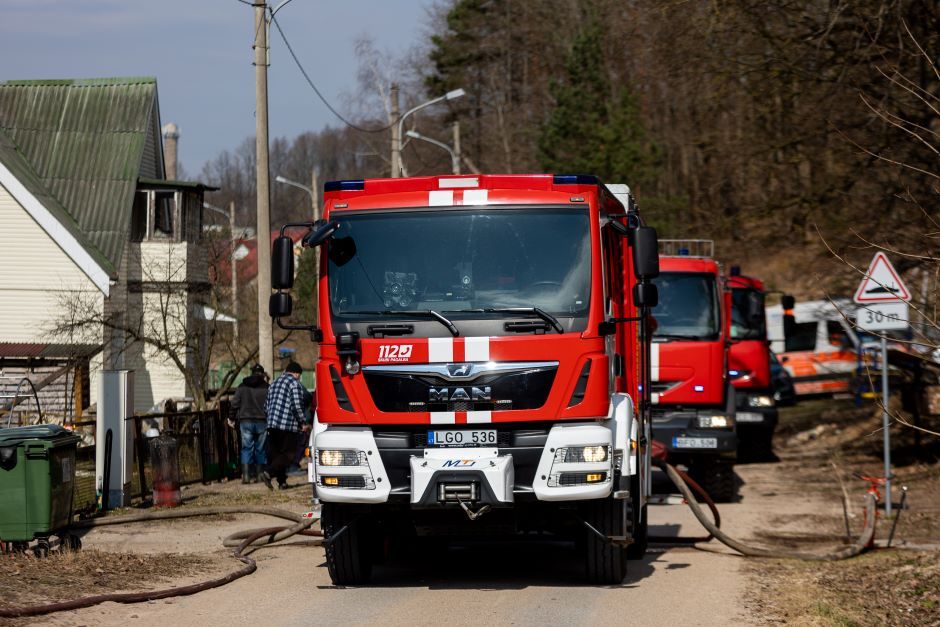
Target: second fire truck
point(693, 400)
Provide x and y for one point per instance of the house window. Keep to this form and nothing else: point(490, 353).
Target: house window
point(164, 211)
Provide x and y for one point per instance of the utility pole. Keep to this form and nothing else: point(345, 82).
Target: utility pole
point(265, 327)
point(234, 263)
point(456, 147)
point(396, 132)
point(314, 184)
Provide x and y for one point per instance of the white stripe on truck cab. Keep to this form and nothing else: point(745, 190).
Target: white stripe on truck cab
point(477, 349)
point(654, 362)
point(440, 349)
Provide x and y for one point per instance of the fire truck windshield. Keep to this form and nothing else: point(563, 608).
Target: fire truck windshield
point(688, 306)
point(465, 262)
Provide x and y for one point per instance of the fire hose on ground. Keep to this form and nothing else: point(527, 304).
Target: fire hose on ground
point(860, 545)
point(244, 542)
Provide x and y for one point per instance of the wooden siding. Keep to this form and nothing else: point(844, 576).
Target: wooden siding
point(35, 276)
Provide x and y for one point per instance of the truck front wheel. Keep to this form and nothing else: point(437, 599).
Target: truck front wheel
point(606, 562)
point(348, 545)
point(716, 477)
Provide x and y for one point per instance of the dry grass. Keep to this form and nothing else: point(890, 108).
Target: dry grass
point(880, 588)
point(885, 587)
point(26, 580)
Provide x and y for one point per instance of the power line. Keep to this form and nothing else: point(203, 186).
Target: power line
point(317, 91)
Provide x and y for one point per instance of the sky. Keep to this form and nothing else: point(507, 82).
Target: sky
point(201, 53)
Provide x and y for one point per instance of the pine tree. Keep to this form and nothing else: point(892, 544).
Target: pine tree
point(594, 127)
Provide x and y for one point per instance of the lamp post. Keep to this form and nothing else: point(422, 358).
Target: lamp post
point(451, 95)
point(454, 160)
point(232, 260)
point(309, 190)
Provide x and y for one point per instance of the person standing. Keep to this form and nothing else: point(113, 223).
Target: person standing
point(248, 409)
point(286, 421)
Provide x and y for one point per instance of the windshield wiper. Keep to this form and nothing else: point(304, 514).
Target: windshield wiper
point(676, 336)
point(544, 315)
point(423, 313)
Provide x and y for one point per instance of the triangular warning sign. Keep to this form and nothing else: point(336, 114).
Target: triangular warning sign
point(882, 283)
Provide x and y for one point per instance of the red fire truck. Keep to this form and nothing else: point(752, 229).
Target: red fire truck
point(483, 351)
point(693, 400)
point(749, 367)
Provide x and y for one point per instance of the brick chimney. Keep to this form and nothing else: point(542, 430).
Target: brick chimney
point(171, 135)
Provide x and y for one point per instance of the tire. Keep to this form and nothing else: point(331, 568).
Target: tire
point(637, 550)
point(348, 556)
point(606, 563)
point(70, 542)
point(639, 522)
point(41, 549)
point(717, 478)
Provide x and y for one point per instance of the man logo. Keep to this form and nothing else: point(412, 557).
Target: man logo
point(458, 370)
point(458, 463)
point(453, 395)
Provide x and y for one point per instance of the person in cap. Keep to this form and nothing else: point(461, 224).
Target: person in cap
point(286, 420)
point(248, 409)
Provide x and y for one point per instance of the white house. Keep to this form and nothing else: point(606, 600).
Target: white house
point(96, 247)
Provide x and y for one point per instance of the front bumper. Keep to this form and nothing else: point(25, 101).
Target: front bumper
point(684, 440)
point(395, 466)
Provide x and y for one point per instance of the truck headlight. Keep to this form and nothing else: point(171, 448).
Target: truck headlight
point(340, 457)
point(714, 421)
point(578, 454)
point(761, 400)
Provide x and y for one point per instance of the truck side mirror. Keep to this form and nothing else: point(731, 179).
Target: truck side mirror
point(787, 302)
point(280, 305)
point(322, 233)
point(645, 253)
point(645, 295)
point(282, 263)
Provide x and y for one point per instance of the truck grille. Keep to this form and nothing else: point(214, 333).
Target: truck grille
point(422, 388)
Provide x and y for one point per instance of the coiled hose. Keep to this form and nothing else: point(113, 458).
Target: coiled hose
point(859, 547)
point(244, 543)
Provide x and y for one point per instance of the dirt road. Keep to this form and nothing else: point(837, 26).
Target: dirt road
point(491, 582)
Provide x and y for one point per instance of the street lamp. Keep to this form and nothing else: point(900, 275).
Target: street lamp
point(451, 95)
point(309, 190)
point(233, 261)
point(454, 159)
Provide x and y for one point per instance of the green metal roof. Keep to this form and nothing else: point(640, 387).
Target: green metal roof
point(84, 141)
point(24, 173)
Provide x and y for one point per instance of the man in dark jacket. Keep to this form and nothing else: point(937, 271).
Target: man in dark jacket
point(248, 407)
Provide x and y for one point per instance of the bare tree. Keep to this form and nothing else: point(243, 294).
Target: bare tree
point(159, 319)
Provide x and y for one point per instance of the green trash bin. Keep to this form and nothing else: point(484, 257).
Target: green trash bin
point(37, 474)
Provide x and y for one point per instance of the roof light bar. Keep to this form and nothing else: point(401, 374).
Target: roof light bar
point(353, 185)
point(575, 179)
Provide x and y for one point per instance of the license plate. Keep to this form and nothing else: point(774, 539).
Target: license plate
point(466, 437)
point(749, 416)
point(695, 442)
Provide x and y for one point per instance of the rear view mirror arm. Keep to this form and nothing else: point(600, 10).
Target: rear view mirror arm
point(316, 334)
